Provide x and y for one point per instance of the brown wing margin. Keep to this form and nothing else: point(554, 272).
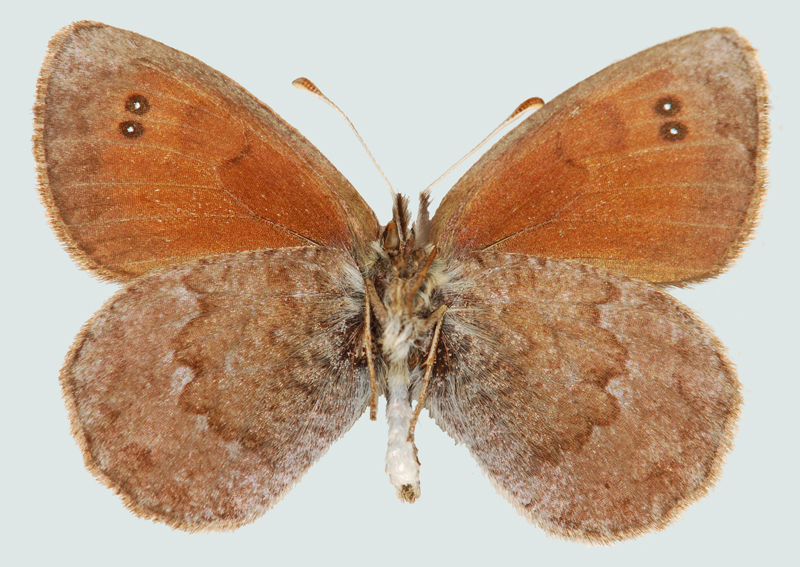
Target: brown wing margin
point(147, 157)
point(655, 167)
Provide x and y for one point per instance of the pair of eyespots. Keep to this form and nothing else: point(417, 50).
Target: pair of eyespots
point(136, 104)
point(672, 130)
point(666, 106)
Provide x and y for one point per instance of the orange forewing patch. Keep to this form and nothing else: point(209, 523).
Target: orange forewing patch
point(145, 166)
point(606, 174)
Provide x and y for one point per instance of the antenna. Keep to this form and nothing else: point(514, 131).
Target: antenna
point(533, 103)
point(306, 85)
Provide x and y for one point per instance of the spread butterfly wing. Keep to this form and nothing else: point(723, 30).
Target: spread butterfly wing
point(598, 406)
point(148, 157)
point(654, 167)
point(203, 391)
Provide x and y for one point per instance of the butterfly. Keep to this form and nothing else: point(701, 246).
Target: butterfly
point(264, 308)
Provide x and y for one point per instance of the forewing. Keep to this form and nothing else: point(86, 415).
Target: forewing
point(654, 167)
point(597, 405)
point(202, 392)
point(148, 157)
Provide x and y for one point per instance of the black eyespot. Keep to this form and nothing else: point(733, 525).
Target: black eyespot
point(668, 106)
point(673, 131)
point(137, 104)
point(131, 129)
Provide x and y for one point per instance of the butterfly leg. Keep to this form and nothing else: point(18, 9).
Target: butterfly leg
point(372, 299)
point(415, 282)
point(436, 318)
point(373, 382)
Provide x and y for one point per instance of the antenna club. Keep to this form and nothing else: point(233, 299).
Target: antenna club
point(306, 85)
point(534, 102)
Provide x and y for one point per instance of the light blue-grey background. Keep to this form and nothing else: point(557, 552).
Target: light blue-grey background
point(423, 81)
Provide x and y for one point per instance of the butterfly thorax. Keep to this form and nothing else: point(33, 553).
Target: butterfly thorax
point(399, 301)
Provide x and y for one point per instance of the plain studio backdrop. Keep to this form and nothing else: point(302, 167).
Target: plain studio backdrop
point(423, 82)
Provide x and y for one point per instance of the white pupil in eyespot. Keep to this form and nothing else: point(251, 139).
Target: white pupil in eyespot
point(130, 128)
point(138, 105)
point(673, 131)
point(667, 106)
